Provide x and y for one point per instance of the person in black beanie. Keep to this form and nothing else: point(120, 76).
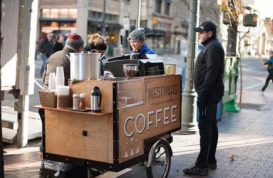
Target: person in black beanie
point(208, 83)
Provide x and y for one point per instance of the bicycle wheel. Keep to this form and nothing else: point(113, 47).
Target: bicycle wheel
point(160, 162)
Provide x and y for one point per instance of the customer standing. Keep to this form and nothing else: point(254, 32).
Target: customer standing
point(46, 48)
point(269, 62)
point(208, 82)
point(73, 44)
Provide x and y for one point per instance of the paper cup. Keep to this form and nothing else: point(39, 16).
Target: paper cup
point(170, 69)
point(52, 81)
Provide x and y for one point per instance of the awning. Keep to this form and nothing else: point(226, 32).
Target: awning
point(156, 32)
point(147, 30)
point(56, 20)
point(107, 24)
point(180, 33)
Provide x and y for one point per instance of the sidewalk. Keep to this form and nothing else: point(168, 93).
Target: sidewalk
point(244, 151)
point(245, 146)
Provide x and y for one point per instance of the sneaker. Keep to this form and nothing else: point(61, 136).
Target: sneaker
point(196, 171)
point(212, 166)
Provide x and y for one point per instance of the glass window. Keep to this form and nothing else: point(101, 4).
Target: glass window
point(46, 13)
point(63, 13)
point(167, 8)
point(72, 13)
point(54, 13)
point(158, 6)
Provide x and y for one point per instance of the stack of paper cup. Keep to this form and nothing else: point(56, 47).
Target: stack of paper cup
point(59, 76)
point(52, 81)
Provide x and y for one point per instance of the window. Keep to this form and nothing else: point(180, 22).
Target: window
point(158, 4)
point(63, 13)
point(167, 8)
point(59, 13)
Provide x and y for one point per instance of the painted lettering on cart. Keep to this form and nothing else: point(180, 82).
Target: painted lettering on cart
point(161, 91)
point(147, 122)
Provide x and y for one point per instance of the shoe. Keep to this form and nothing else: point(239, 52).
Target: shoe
point(196, 171)
point(212, 166)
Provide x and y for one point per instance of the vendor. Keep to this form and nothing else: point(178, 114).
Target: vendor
point(136, 39)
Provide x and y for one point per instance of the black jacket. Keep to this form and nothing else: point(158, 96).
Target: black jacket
point(46, 47)
point(209, 69)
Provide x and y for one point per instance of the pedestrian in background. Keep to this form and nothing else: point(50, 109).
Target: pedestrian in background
point(46, 48)
point(208, 83)
point(58, 46)
point(269, 62)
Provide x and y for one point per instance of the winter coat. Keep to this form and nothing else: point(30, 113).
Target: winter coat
point(145, 50)
point(209, 69)
point(46, 47)
point(59, 58)
point(270, 64)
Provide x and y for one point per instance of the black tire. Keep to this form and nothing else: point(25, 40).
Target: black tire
point(161, 160)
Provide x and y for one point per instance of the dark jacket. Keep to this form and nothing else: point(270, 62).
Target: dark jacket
point(46, 47)
point(58, 47)
point(145, 50)
point(270, 64)
point(209, 69)
point(58, 59)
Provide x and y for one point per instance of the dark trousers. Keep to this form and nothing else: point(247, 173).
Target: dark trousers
point(208, 131)
point(269, 77)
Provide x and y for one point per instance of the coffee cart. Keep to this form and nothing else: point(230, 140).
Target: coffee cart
point(135, 125)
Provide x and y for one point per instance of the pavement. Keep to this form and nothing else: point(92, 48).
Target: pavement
point(244, 150)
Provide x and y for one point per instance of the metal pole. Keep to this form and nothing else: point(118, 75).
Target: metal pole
point(104, 17)
point(82, 19)
point(1, 141)
point(138, 14)
point(189, 121)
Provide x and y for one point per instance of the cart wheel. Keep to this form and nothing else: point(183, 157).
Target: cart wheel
point(159, 161)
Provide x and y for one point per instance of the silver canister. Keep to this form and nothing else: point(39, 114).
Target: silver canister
point(76, 98)
point(85, 66)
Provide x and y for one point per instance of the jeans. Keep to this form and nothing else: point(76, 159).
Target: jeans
point(269, 77)
point(44, 58)
point(208, 131)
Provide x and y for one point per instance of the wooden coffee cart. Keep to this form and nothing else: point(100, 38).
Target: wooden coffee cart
point(135, 125)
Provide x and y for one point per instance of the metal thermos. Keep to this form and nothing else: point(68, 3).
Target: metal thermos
point(96, 97)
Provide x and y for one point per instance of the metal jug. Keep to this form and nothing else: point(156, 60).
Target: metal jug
point(85, 66)
point(96, 97)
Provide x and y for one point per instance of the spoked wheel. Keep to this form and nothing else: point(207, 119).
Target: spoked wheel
point(159, 161)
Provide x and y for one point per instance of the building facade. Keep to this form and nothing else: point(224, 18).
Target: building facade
point(166, 21)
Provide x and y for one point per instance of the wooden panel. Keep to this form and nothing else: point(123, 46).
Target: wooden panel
point(106, 88)
point(130, 92)
point(71, 111)
point(64, 133)
point(110, 139)
point(159, 114)
point(98, 140)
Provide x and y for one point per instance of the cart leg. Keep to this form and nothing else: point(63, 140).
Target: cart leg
point(88, 173)
point(159, 160)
